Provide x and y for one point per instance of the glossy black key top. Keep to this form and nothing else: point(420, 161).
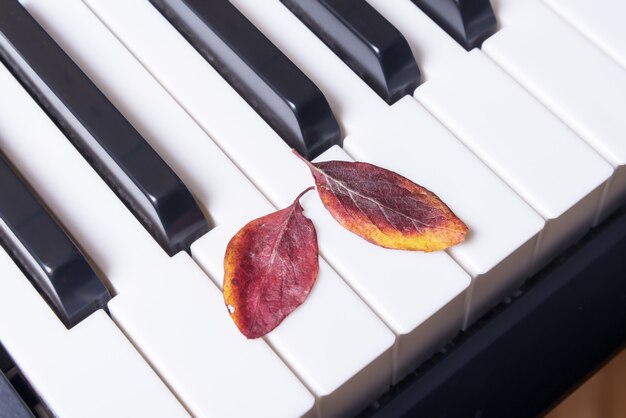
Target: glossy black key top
point(143, 181)
point(289, 102)
point(469, 22)
point(365, 41)
point(14, 395)
point(45, 253)
point(17, 396)
point(11, 404)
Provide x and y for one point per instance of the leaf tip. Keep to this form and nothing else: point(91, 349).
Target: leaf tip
point(456, 235)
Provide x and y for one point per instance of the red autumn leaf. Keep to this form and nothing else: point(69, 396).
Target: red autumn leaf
point(385, 208)
point(269, 269)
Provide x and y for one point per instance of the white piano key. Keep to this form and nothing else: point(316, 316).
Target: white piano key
point(186, 148)
point(116, 151)
point(77, 372)
point(524, 143)
point(136, 266)
point(182, 326)
point(436, 55)
point(569, 75)
point(504, 231)
point(268, 161)
point(497, 253)
point(356, 103)
point(602, 21)
point(368, 344)
point(203, 93)
point(411, 307)
point(328, 363)
point(83, 203)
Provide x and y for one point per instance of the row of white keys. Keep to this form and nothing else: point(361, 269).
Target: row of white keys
point(344, 354)
point(602, 21)
point(362, 264)
point(385, 279)
point(359, 338)
point(405, 138)
point(503, 124)
point(77, 372)
point(570, 76)
point(170, 310)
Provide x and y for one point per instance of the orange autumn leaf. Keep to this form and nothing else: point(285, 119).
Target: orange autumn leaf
point(270, 267)
point(385, 208)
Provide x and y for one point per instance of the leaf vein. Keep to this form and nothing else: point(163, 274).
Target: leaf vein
point(342, 184)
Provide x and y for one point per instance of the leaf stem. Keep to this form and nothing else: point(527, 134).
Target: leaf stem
point(305, 191)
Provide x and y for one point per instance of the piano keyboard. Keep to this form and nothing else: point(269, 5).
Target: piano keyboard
point(136, 137)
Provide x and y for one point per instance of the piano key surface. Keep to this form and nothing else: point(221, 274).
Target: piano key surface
point(133, 263)
point(77, 371)
point(535, 348)
point(365, 41)
point(269, 162)
point(139, 308)
point(602, 21)
point(183, 328)
point(469, 22)
point(213, 179)
point(133, 170)
point(77, 196)
point(365, 345)
point(504, 125)
point(11, 404)
point(399, 136)
point(53, 263)
point(328, 366)
point(570, 76)
point(277, 89)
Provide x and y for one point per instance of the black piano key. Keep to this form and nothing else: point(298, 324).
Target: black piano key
point(365, 41)
point(45, 253)
point(289, 102)
point(469, 22)
point(26, 402)
point(11, 404)
point(143, 181)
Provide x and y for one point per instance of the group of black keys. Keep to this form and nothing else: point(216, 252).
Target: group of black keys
point(289, 102)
